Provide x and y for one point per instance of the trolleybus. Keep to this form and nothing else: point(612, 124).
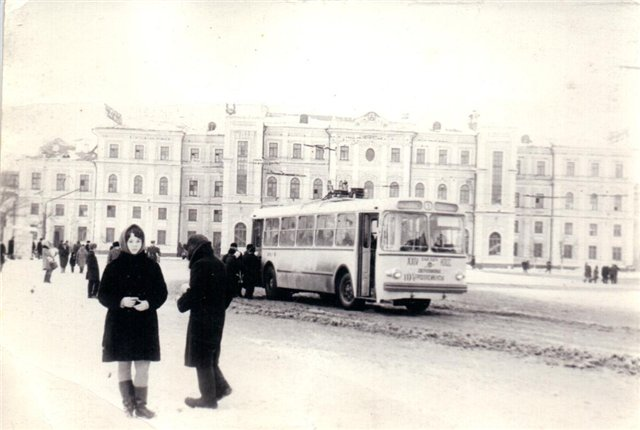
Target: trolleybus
point(402, 252)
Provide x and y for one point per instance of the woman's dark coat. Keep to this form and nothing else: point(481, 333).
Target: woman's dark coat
point(206, 298)
point(130, 334)
point(93, 269)
point(63, 253)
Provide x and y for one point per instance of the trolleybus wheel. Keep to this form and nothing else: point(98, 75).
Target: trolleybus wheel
point(271, 284)
point(346, 294)
point(416, 308)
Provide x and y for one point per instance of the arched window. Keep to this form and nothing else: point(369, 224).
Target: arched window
point(568, 201)
point(394, 189)
point(113, 184)
point(317, 189)
point(419, 189)
point(368, 190)
point(442, 192)
point(294, 188)
point(272, 187)
point(164, 186)
point(240, 234)
point(494, 244)
point(464, 194)
point(137, 185)
point(594, 202)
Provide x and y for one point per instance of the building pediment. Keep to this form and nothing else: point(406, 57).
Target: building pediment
point(371, 120)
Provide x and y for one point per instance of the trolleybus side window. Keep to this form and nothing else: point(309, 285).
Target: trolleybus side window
point(271, 231)
point(305, 230)
point(324, 230)
point(404, 231)
point(447, 234)
point(346, 230)
point(288, 231)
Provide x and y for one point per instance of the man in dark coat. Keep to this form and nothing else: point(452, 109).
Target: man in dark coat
point(233, 263)
point(153, 252)
point(93, 272)
point(39, 248)
point(63, 254)
point(206, 299)
point(250, 270)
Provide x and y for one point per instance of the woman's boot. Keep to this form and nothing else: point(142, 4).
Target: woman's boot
point(126, 390)
point(141, 403)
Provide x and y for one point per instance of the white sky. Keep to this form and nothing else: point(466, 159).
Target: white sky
point(551, 70)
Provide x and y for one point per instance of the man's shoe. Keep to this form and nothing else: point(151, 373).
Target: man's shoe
point(223, 393)
point(200, 403)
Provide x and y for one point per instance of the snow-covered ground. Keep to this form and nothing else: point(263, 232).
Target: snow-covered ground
point(492, 358)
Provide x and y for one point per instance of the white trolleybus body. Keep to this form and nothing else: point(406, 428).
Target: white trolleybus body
point(399, 251)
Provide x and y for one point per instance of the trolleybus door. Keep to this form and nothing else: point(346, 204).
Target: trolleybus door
point(256, 235)
point(367, 254)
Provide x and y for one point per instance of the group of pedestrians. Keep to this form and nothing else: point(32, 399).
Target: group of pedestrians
point(243, 270)
point(609, 274)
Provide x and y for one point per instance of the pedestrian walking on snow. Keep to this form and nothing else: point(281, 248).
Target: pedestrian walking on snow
point(81, 257)
point(93, 272)
point(132, 289)
point(587, 273)
point(48, 260)
point(250, 270)
point(63, 254)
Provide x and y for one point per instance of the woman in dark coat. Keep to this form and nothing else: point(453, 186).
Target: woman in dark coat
point(206, 297)
point(132, 288)
point(93, 272)
point(63, 254)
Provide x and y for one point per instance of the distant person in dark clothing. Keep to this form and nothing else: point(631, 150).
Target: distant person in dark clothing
point(548, 267)
point(206, 298)
point(525, 266)
point(72, 260)
point(613, 274)
point(114, 252)
point(3, 251)
point(587, 273)
point(605, 274)
point(93, 272)
point(594, 278)
point(10, 248)
point(472, 263)
point(39, 249)
point(63, 254)
point(153, 252)
point(250, 270)
point(232, 261)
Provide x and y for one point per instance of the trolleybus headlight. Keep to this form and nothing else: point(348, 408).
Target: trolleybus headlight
point(459, 276)
point(393, 273)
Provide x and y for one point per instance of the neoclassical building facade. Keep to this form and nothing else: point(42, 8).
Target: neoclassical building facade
point(522, 201)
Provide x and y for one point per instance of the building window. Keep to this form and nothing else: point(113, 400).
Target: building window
point(163, 189)
point(368, 190)
point(61, 178)
point(394, 190)
point(84, 183)
point(568, 201)
point(442, 156)
point(395, 155)
point(113, 184)
point(442, 192)
point(139, 152)
point(595, 169)
point(617, 203)
point(617, 230)
point(273, 150)
point(162, 237)
point(59, 210)
point(319, 153)
point(194, 154)
point(192, 215)
point(317, 189)
point(344, 153)
point(537, 250)
point(110, 234)
point(35, 209)
point(241, 178)
point(516, 226)
point(217, 157)
point(82, 234)
point(217, 189)
point(495, 243)
point(616, 253)
point(464, 158)
point(162, 213)
point(294, 188)
point(568, 228)
point(496, 178)
point(419, 189)
point(540, 168)
point(539, 201)
point(593, 229)
point(297, 151)
point(517, 200)
point(137, 185)
point(571, 168)
point(113, 152)
point(36, 180)
point(272, 187)
point(217, 215)
point(464, 194)
point(619, 170)
point(538, 227)
point(240, 234)
point(111, 212)
point(164, 152)
point(420, 156)
point(593, 199)
point(515, 249)
point(137, 212)
point(193, 188)
point(567, 251)
point(370, 154)
point(243, 149)
point(83, 210)
point(593, 252)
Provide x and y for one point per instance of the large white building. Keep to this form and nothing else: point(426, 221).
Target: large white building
point(523, 201)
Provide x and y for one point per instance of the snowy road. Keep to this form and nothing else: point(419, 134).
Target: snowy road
point(561, 354)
